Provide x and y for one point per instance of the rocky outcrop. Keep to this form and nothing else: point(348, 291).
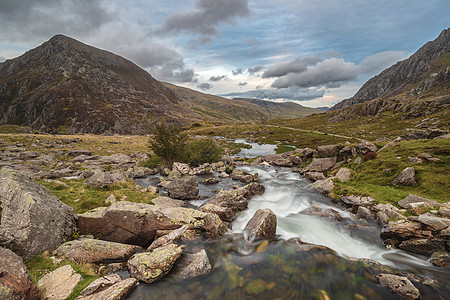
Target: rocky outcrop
point(96, 251)
point(263, 225)
point(406, 177)
point(152, 266)
point(15, 283)
point(60, 283)
point(185, 188)
point(33, 220)
point(191, 265)
point(401, 286)
point(422, 246)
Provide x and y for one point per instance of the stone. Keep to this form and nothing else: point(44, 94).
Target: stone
point(119, 158)
point(400, 230)
point(440, 259)
point(320, 164)
point(414, 160)
point(355, 201)
point(191, 265)
point(344, 174)
point(152, 266)
point(15, 283)
point(137, 223)
point(170, 238)
point(27, 155)
point(314, 176)
point(100, 179)
point(390, 210)
point(227, 160)
point(365, 147)
point(277, 160)
point(205, 169)
point(406, 177)
point(328, 213)
point(96, 251)
point(79, 152)
point(60, 283)
point(401, 286)
point(322, 186)
point(417, 204)
point(32, 220)
point(365, 213)
point(99, 285)
point(117, 291)
point(422, 246)
point(111, 199)
point(210, 180)
point(185, 188)
point(301, 246)
point(444, 210)
point(184, 169)
point(435, 223)
point(382, 218)
point(327, 151)
point(242, 176)
point(263, 225)
point(357, 161)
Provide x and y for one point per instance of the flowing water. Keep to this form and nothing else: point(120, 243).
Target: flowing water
point(243, 269)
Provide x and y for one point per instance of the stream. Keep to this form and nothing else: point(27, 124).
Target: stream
point(253, 270)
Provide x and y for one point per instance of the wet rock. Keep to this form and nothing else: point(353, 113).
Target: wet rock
point(262, 225)
point(170, 238)
point(322, 186)
point(277, 160)
point(417, 204)
point(365, 213)
point(328, 213)
point(435, 223)
point(255, 188)
point(118, 291)
point(343, 174)
point(60, 283)
point(211, 180)
point(299, 245)
point(32, 220)
point(320, 164)
point(444, 210)
point(327, 151)
point(440, 259)
point(401, 286)
point(242, 176)
point(314, 176)
point(400, 230)
point(152, 266)
point(406, 177)
point(191, 265)
point(422, 246)
point(185, 188)
point(96, 251)
point(15, 283)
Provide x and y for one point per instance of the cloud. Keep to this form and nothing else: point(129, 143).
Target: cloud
point(284, 68)
point(241, 84)
point(217, 78)
point(253, 43)
point(331, 72)
point(238, 71)
point(23, 20)
point(255, 69)
point(205, 18)
point(174, 74)
point(286, 94)
point(376, 63)
point(204, 86)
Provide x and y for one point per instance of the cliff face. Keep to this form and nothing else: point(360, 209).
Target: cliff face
point(65, 85)
point(404, 75)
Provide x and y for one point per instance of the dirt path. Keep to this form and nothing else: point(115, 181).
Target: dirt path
point(318, 132)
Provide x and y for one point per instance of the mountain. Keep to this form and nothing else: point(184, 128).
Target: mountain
point(66, 86)
point(422, 71)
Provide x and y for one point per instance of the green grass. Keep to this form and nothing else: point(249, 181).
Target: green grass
point(42, 264)
point(82, 197)
point(369, 178)
point(283, 149)
point(7, 128)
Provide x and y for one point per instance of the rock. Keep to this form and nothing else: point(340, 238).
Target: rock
point(417, 204)
point(137, 223)
point(440, 259)
point(444, 210)
point(79, 152)
point(27, 155)
point(365, 147)
point(96, 251)
point(82, 158)
point(60, 283)
point(262, 225)
point(101, 179)
point(328, 213)
point(170, 238)
point(118, 291)
point(382, 218)
point(343, 174)
point(327, 151)
point(322, 186)
point(414, 160)
point(320, 164)
point(357, 161)
point(227, 160)
point(429, 157)
point(314, 176)
point(390, 210)
point(184, 169)
point(191, 265)
point(406, 177)
point(15, 283)
point(255, 188)
point(111, 199)
point(355, 201)
point(299, 245)
point(204, 169)
point(435, 223)
point(400, 230)
point(277, 160)
point(422, 246)
point(185, 188)
point(242, 176)
point(138, 172)
point(152, 266)
point(210, 180)
point(99, 285)
point(119, 158)
point(32, 220)
point(401, 286)
point(365, 213)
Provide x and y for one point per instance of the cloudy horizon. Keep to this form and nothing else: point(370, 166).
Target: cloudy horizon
point(316, 53)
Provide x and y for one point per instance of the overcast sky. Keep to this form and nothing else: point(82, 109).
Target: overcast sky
point(317, 52)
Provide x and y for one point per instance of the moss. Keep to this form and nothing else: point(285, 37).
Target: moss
point(256, 286)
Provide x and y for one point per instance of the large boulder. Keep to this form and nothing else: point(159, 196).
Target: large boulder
point(320, 164)
point(401, 286)
point(327, 151)
point(14, 280)
point(33, 220)
point(101, 179)
point(322, 186)
point(278, 160)
point(406, 177)
point(185, 188)
point(401, 230)
point(152, 266)
point(262, 225)
point(328, 213)
point(344, 174)
point(422, 246)
point(433, 222)
point(191, 265)
point(365, 147)
point(137, 223)
point(96, 251)
point(110, 287)
point(241, 176)
point(417, 204)
point(314, 176)
point(60, 283)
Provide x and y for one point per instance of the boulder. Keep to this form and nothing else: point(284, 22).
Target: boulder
point(314, 176)
point(262, 225)
point(278, 160)
point(417, 204)
point(170, 238)
point(111, 199)
point(328, 213)
point(204, 169)
point(242, 176)
point(444, 210)
point(96, 251)
point(440, 259)
point(184, 169)
point(119, 158)
point(401, 286)
point(117, 291)
point(99, 285)
point(343, 174)
point(137, 223)
point(210, 180)
point(327, 151)
point(406, 177)
point(15, 283)
point(400, 230)
point(355, 201)
point(365, 147)
point(433, 222)
point(422, 246)
point(390, 210)
point(227, 160)
point(79, 152)
point(322, 186)
point(191, 265)
point(365, 213)
point(152, 266)
point(185, 188)
point(32, 220)
point(320, 164)
point(60, 283)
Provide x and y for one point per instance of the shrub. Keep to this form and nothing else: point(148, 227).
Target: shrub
point(169, 143)
point(202, 151)
point(369, 156)
point(153, 161)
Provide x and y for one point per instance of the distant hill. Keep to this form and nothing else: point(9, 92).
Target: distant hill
point(68, 87)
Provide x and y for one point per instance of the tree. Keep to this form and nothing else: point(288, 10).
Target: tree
point(169, 143)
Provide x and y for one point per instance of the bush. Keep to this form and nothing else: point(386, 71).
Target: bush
point(202, 151)
point(153, 161)
point(369, 156)
point(169, 143)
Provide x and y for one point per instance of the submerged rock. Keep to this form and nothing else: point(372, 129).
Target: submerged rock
point(262, 225)
point(401, 286)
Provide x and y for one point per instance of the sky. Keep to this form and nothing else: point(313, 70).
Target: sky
point(315, 52)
